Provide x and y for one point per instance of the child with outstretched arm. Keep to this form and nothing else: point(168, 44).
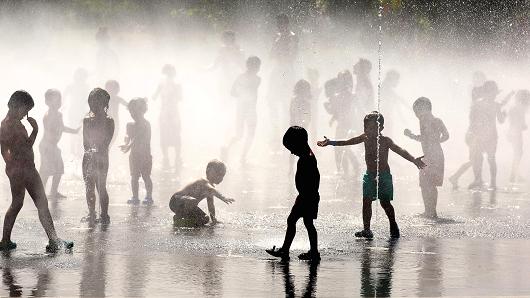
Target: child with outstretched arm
point(17, 151)
point(184, 203)
point(377, 182)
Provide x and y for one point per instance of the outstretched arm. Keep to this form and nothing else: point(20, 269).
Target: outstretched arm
point(409, 134)
point(405, 154)
point(353, 141)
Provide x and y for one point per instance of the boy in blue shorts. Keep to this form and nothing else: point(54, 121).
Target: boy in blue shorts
point(377, 182)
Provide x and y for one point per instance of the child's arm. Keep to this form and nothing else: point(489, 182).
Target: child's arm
point(444, 134)
point(71, 130)
point(404, 153)
point(35, 131)
point(501, 115)
point(409, 134)
point(127, 140)
point(352, 141)
point(110, 132)
point(211, 209)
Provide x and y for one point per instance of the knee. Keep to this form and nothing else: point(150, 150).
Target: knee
point(308, 222)
point(17, 205)
point(135, 178)
point(291, 220)
point(385, 204)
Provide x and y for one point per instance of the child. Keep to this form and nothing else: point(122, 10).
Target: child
point(307, 181)
point(170, 94)
point(517, 121)
point(98, 129)
point(17, 152)
point(364, 90)
point(377, 182)
point(113, 88)
point(300, 108)
point(245, 89)
point(482, 134)
point(185, 203)
point(432, 133)
point(138, 141)
point(51, 158)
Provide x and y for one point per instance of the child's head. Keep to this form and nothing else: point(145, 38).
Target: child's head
point(422, 106)
point(302, 88)
point(313, 75)
point(522, 98)
point(392, 78)
point(20, 103)
point(169, 71)
point(215, 171)
point(362, 67)
point(282, 22)
point(490, 90)
point(80, 75)
point(330, 87)
point(373, 124)
point(345, 81)
point(229, 38)
point(253, 64)
point(52, 98)
point(295, 140)
point(112, 87)
point(98, 101)
point(137, 107)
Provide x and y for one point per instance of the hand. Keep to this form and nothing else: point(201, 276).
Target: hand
point(419, 163)
point(407, 132)
point(33, 123)
point(77, 129)
point(323, 143)
point(125, 148)
point(228, 200)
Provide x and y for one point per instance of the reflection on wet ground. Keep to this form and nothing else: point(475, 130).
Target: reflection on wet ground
point(479, 246)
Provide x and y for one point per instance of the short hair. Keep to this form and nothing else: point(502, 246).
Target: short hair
point(50, 95)
point(20, 98)
point(253, 62)
point(112, 84)
point(365, 65)
point(169, 70)
point(295, 136)
point(490, 87)
point(302, 88)
point(374, 116)
point(523, 97)
point(345, 79)
point(137, 104)
point(98, 96)
point(330, 86)
point(422, 104)
point(216, 166)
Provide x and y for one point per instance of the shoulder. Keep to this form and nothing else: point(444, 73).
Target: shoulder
point(387, 141)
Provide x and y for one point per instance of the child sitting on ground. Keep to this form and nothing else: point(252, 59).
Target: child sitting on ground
point(184, 203)
point(377, 182)
point(138, 141)
point(16, 147)
point(307, 181)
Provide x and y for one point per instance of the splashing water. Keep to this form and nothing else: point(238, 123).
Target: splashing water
point(379, 64)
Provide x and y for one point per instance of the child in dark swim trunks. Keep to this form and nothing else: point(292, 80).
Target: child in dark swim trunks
point(17, 151)
point(52, 164)
point(138, 141)
point(376, 148)
point(185, 202)
point(432, 133)
point(307, 181)
point(98, 129)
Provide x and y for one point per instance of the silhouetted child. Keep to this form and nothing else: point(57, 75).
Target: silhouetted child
point(245, 90)
point(364, 91)
point(517, 121)
point(377, 182)
point(307, 182)
point(138, 141)
point(17, 151)
point(184, 203)
point(113, 88)
point(432, 133)
point(482, 133)
point(98, 129)
point(52, 164)
point(342, 108)
point(170, 94)
point(313, 77)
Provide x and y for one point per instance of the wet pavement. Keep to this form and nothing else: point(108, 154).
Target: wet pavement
point(479, 246)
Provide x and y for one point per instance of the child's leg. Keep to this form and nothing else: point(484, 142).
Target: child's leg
point(463, 168)
point(148, 185)
point(17, 192)
point(476, 160)
point(44, 179)
point(389, 210)
point(56, 180)
point(291, 230)
point(493, 169)
point(517, 146)
point(90, 186)
point(36, 192)
point(101, 186)
point(135, 185)
point(429, 194)
point(367, 213)
point(312, 233)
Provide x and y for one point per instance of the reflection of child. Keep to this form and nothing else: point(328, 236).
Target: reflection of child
point(377, 182)
point(138, 141)
point(17, 151)
point(51, 158)
point(432, 133)
point(184, 203)
point(98, 129)
point(517, 121)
